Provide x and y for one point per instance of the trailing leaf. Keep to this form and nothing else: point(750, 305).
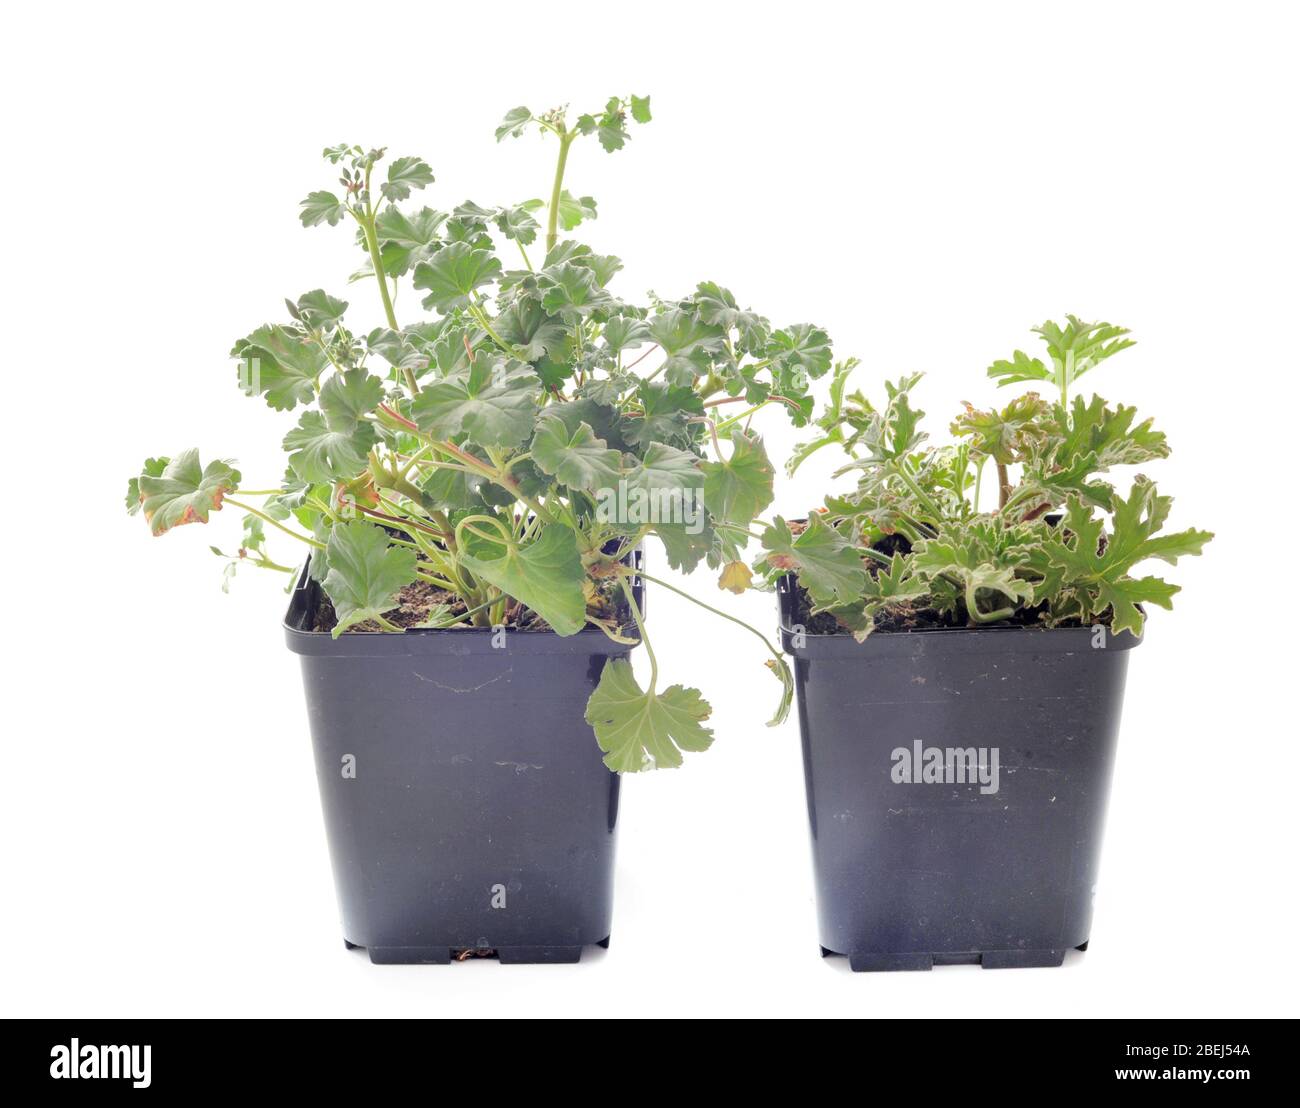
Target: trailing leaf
point(641, 730)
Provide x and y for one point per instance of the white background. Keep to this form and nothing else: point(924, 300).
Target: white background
point(925, 183)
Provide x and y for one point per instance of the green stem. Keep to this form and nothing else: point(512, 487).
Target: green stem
point(707, 607)
point(640, 626)
point(916, 490)
point(275, 523)
point(481, 317)
point(553, 214)
point(372, 245)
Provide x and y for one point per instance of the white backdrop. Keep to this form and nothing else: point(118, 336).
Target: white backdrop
point(925, 183)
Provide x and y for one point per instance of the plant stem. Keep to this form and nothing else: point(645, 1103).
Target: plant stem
point(1004, 485)
point(553, 214)
point(275, 523)
point(707, 607)
point(372, 244)
point(640, 626)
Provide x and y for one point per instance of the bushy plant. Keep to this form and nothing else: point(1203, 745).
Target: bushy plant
point(913, 546)
point(512, 445)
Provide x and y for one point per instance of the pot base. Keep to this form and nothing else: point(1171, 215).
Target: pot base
point(986, 959)
point(445, 955)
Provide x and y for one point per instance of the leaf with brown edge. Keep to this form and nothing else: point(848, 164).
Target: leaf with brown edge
point(184, 491)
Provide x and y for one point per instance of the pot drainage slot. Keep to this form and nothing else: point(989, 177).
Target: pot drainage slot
point(473, 952)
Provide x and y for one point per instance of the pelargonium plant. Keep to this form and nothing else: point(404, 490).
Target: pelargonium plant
point(918, 544)
point(495, 459)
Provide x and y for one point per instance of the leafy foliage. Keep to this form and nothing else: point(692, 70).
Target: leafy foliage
point(515, 444)
point(913, 542)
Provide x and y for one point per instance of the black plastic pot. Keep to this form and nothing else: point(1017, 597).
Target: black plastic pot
point(466, 804)
point(921, 861)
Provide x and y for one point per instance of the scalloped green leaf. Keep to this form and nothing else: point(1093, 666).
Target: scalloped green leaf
point(453, 273)
point(280, 364)
point(575, 458)
point(365, 573)
point(547, 574)
point(739, 488)
point(640, 730)
point(493, 404)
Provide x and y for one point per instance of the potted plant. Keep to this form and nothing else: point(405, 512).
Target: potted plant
point(473, 486)
point(960, 665)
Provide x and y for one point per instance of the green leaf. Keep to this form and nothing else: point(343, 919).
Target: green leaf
point(1078, 346)
point(516, 119)
point(736, 490)
point(546, 575)
point(350, 396)
point(578, 459)
point(641, 730)
point(319, 311)
point(321, 207)
point(494, 404)
point(365, 573)
point(533, 333)
point(517, 223)
point(892, 434)
point(572, 210)
point(686, 547)
point(571, 291)
point(986, 556)
point(687, 341)
point(453, 273)
point(716, 305)
point(666, 411)
point(406, 240)
point(1021, 367)
point(405, 174)
point(1099, 571)
point(665, 467)
point(834, 419)
point(153, 467)
point(641, 109)
point(280, 364)
point(828, 566)
point(183, 491)
point(611, 128)
point(321, 453)
point(625, 333)
point(1073, 350)
point(802, 347)
point(1005, 436)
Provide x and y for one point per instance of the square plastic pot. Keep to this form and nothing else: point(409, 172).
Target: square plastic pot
point(465, 801)
point(986, 852)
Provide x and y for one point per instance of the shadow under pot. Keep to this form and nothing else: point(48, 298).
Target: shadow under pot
point(467, 808)
point(957, 783)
